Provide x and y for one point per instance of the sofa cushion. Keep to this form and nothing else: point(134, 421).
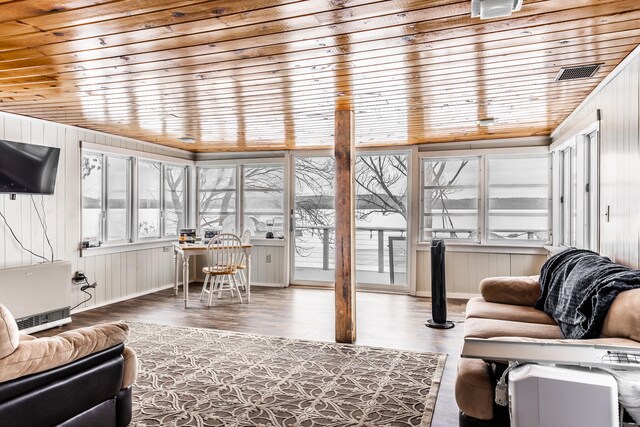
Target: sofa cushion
point(491, 328)
point(478, 307)
point(130, 367)
point(474, 389)
point(524, 290)
point(42, 354)
point(623, 318)
point(9, 335)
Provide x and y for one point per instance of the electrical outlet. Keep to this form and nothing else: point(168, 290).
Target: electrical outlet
point(79, 277)
point(269, 259)
point(166, 249)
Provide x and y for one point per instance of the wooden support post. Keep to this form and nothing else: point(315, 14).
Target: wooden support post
point(345, 289)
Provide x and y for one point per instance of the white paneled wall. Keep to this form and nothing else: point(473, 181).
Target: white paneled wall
point(268, 266)
point(619, 105)
point(465, 270)
point(118, 275)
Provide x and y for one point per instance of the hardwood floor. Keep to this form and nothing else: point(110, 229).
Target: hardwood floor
point(384, 320)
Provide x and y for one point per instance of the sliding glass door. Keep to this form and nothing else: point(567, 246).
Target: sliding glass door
point(381, 220)
point(313, 220)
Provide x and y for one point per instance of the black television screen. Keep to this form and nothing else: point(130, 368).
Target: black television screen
point(27, 168)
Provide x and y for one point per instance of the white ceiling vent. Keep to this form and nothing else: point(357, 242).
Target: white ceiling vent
point(575, 73)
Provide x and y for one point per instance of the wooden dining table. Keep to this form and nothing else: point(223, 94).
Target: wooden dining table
point(186, 251)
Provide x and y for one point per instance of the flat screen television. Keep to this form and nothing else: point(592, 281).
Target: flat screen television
point(27, 168)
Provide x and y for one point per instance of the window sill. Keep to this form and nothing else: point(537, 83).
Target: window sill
point(555, 249)
point(126, 247)
point(262, 241)
point(494, 249)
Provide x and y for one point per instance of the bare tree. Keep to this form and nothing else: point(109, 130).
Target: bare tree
point(220, 183)
point(439, 193)
point(174, 179)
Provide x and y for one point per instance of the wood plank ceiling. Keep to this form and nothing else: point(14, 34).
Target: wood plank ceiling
point(268, 74)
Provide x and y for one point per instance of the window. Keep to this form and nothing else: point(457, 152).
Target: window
point(161, 199)
point(518, 198)
point(488, 199)
point(578, 202)
point(314, 218)
point(381, 218)
point(218, 198)
point(175, 178)
point(569, 194)
point(149, 199)
point(242, 196)
point(106, 198)
point(92, 201)
point(108, 204)
point(450, 198)
point(263, 199)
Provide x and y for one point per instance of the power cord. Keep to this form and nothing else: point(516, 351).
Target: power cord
point(18, 240)
point(83, 288)
point(43, 223)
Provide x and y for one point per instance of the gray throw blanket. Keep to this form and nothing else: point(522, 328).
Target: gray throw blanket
point(578, 287)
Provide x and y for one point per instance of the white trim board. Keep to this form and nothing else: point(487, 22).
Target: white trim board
point(491, 249)
point(583, 127)
point(535, 141)
point(109, 149)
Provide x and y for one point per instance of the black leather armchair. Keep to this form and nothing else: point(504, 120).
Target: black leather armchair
point(83, 393)
point(82, 377)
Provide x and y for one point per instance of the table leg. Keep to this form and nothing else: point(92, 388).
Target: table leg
point(185, 279)
point(175, 266)
point(248, 284)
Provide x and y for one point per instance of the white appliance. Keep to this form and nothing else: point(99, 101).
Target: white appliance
point(549, 396)
point(38, 296)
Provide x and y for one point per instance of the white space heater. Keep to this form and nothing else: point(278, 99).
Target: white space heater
point(548, 396)
point(38, 296)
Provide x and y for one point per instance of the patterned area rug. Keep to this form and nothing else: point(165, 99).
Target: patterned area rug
point(206, 377)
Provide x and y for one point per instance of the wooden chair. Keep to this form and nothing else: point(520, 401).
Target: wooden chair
point(242, 266)
point(224, 253)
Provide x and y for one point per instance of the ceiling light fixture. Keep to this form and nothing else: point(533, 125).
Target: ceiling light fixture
point(187, 139)
point(487, 9)
point(486, 122)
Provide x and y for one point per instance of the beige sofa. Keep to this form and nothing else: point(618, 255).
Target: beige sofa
point(506, 310)
point(76, 378)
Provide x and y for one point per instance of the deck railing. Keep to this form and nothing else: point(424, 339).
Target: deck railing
point(381, 249)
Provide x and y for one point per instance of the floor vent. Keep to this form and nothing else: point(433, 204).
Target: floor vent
point(575, 73)
point(42, 318)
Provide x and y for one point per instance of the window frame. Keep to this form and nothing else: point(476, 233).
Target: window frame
point(487, 194)
point(582, 151)
point(132, 194)
point(479, 197)
point(163, 208)
point(104, 185)
point(241, 190)
point(163, 205)
point(238, 165)
point(482, 241)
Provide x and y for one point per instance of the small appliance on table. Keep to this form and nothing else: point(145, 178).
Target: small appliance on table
point(188, 235)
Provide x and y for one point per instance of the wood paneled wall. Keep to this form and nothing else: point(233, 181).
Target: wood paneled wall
point(465, 270)
point(618, 102)
point(118, 275)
